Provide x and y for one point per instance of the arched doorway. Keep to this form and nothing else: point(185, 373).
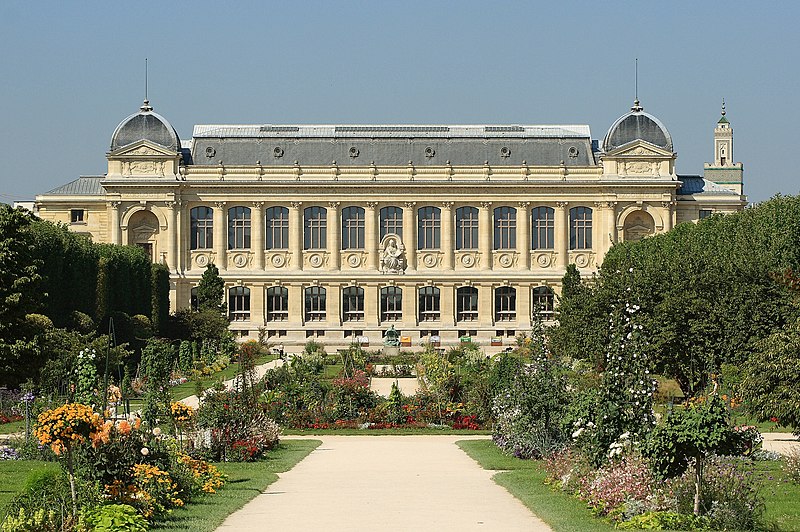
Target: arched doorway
point(638, 225)
point(142, 232)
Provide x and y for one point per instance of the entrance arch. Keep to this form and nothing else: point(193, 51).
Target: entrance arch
point(143, 229)
point(638, 225)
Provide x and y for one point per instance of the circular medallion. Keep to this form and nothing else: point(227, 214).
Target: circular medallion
point(315, 260)
point(201, 260)
point(278, 261)
point(582, 260)
point(354, 261)
point(543, 260)
point(429, 260)
point(468, 261)
point(505, 260)
point(240, 260)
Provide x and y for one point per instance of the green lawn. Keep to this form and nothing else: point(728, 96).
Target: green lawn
point(182, 391)
point(14, 426)
point(14, 475)
point(781, 496)
point(245, 481)
point(524, 479)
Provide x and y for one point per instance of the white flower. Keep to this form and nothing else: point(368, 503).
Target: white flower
point(577, 433)
point(630, 270)
point(157, 431)
point(624, 435)
point(145, 451)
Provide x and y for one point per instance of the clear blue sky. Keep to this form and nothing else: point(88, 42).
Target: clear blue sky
point(73, 70)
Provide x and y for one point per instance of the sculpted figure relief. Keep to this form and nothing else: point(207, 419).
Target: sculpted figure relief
point(392, 257)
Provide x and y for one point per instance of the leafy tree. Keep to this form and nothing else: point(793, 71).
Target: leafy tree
point(211, 290)
point(771, 383)
point(19, 271)
point(158, 358)
point(160, 295)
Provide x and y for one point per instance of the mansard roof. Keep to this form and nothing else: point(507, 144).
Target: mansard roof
point(83, 186)
point(392, 145)
point(695, 184)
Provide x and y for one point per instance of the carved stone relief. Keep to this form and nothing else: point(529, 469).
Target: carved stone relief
point(393, 259)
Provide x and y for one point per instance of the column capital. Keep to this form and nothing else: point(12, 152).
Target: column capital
point(523, 204)
point(410, 204)
point(114, 204)
point(562, 204)
point(258, 204)
point(334, 204)
point(372, 204)
point(486, 205)
point(447, 204)
point(296, 204)
point(220, 204)
point(668, 204)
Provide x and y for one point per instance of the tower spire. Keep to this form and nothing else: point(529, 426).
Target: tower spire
point(146, 105)
point(636, 105)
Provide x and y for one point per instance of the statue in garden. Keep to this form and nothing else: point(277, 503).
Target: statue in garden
point(392, 338)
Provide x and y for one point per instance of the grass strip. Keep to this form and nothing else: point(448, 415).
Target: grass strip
point(524, 479)
point(14, 427)
point(182, 391)
point(246, 480)
point(15, 474)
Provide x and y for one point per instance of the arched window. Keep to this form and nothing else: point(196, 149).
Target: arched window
point(505, 228)
point(467, 228)
point(315, 303)
point(467, 303)
point(391, 221)
point(428, 303)
point(542, 300)
point(194, 300)
point(542, 228)
point(315, 228)
point(353, 303)
point(505, 303)
point(277, 303)
point(391, 303)
point(277, 228)
point(239, 228)
point(580, 228)
point(353, 228)
point(239, 303)
point(429, 228)
point(202, 227)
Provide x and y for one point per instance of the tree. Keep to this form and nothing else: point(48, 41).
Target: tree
point(19, 271)
point(771, 384)
point(211, 290)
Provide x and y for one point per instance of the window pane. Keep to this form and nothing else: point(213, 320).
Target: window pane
point(467, 303)
point(429, 228)
point(315, 228)
point(353, 228)
point(353, 303)
point(239, 228)
point(277, 228)
point(315, 303)
point(277, 303)
point(505, 228)
point(239, 303)
point(467, 228)
point(542, 228)
point(580, 228)
point(505, 304)
point(391, 303)
point(201, 227)
point(542, 302)
point(429, 303)
point(391, 221)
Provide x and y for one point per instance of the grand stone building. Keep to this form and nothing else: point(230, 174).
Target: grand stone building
point(339, 231)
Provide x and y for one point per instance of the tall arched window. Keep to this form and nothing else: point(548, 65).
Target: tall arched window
point(429, 303)
point(505, 228)
point(239, 303)
point(580, 228)
point(542, 228)
point(315, 303)
point(315, 228)
point(202, 227)
point(543, 301)
point(353, 228)
point(277, 228)
point(429, 228)
point(391, 221)
point(467, 303)
point(467, 228)
point(505, 303)
point(239, 228)
point(353, 303)
point(277, 303)
point(391, 303)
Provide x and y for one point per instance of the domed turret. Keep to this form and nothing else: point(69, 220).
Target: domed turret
point(145, 125)
point(637, 125)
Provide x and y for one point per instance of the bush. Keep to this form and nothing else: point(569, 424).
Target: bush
point(792, 466)
point(114, 518)
point(665, 521)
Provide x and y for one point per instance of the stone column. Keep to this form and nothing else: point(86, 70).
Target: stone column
point(296, 305)
point(113, 224)
point(257, 242)
point(410, 237)
point(296, 234)
point(371, 238)
point(172, 229)
point(409, 306)
point(182, 232)
point(668, 214)
point(523, 235)
point(220, 235)
point(561, 230)
point(447, 305)
point(447, 235)
point(334, 231)
point(486, 232)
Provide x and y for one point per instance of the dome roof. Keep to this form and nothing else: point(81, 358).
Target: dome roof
point(145, 125)
point(637, 125)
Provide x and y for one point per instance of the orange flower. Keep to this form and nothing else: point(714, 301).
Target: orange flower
point(124, 428)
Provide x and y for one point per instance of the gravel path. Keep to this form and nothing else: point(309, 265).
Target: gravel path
point(387, 483)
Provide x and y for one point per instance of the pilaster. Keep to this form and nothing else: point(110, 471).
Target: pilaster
point(486, 232)
point(561, 230)
point(523, 235)
point(410, 236)
point(296, 304)
point(296, 234)
point(258, 242)
point(447, 235)
point(370, 235)
point(334, 231)
point(220, 235)
point(113, 226)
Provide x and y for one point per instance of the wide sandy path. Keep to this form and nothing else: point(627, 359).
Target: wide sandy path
point(385, 483)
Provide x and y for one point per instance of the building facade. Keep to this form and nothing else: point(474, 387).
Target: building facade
point(339, 231)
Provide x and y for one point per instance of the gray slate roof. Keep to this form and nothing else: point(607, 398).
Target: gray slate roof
point(392, 145)
point(637, 125)
point(83, 186)
point(695, 184)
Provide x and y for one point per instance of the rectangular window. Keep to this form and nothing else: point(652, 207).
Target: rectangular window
point(429, 228)
point(705, 213)
point(391, 221)
point(277, 228)
point(580, 228)
point(542, 228)
point(239, 228)
point(428, 303)
point(353, 228)
point(467, 228)
point(202, 227)
point(467, 304)
point(277, 303)
point(505, 228)
point(315, 303)
point(239, 304)
point(391, 303)
point(353, 303)
point(315, 228)
point(505, 304)
point(77, 216)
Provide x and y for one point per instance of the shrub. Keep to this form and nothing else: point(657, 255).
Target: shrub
point(617, 483)
point(665, 521)
point(114, 518)
point(792, 466)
